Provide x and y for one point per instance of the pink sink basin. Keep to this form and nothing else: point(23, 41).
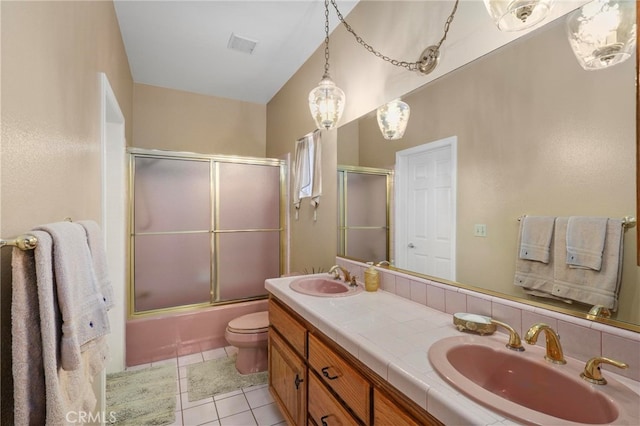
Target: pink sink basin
point(525, 387)
point(323, 287)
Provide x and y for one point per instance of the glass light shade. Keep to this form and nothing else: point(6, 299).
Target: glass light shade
point(602, 33)
point(393, 118)
point(326, 103)
point(516, 15)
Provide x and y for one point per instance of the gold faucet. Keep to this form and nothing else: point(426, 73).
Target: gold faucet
point(592, 373)
point(335, 271)
point(554, 349)
point(515, 344)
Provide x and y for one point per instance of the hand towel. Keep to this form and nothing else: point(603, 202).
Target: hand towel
point(44, 392)
point(99, 257)
point(587, 285)
point(84, 313)
point(535, 277)
point(536, 236)
point(585, 241)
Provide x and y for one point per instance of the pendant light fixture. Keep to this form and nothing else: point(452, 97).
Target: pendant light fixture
point(326, 101)
point(602, 33)
point(516, 15)
point(393, 118)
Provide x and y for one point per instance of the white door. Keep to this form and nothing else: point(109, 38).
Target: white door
point(426, 208)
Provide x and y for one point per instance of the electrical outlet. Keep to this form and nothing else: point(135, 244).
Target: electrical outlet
point(480, 230)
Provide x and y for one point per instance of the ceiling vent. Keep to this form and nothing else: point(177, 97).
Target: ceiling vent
point(241, 44)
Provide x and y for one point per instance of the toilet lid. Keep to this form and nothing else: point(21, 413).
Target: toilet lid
point(251, 323)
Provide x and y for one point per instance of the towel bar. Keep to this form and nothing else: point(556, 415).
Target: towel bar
point(23, 242)
point(627, 221)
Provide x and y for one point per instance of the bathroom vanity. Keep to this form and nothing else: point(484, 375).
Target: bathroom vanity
point(315, 381)
point(363, 359)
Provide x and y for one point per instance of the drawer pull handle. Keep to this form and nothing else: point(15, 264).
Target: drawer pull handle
point(325, 373)
point(324, 421)
point(298, 381)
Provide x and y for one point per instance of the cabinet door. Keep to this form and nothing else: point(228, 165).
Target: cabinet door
point(287, 380)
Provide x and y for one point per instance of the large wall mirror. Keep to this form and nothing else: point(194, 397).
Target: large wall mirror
point(536, 135)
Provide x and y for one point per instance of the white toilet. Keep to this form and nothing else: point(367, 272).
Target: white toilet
point(249, 333)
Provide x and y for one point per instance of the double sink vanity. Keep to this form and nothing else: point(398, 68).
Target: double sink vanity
point(340, 355)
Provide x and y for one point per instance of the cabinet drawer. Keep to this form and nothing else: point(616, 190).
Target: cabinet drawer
point(323, 407)
point(289, 327)
point(341, 377)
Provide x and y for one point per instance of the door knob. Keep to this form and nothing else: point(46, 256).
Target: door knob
point(411, 245)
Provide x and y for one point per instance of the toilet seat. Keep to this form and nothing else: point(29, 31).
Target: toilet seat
point(257, 322)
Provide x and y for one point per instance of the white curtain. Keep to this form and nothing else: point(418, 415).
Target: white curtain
point(307, 171)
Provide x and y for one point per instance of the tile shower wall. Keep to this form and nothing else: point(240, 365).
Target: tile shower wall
point(581, 339)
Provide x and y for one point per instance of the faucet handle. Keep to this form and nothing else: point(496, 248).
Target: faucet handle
point(515, 344)
point(592, 373)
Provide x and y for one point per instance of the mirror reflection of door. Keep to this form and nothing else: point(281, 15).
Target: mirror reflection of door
point(426, 208)
point(363, 213)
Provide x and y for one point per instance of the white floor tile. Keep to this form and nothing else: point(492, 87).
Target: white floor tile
point(258, 397)
point(242, 407)
point(184, 397)
point(242, 419)
point(227, 395)
point(232, 405)
point(268, 415)
point(190, 359)
point(199, 414)
point(170, 361)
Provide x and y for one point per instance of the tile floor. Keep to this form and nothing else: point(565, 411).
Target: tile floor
point(244, 407)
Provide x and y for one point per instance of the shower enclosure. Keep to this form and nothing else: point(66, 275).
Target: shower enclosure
point(205, 230)
point(363, 213)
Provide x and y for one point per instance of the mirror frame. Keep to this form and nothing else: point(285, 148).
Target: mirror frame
point(637, 133)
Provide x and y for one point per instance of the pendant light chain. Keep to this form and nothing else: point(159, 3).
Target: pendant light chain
point(411, 66)
point(326, 38)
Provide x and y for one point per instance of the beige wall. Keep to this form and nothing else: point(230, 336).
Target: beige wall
point(182, 121)
point(52, 53)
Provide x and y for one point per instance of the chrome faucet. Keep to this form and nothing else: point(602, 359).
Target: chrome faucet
point(554, 349)
point(335, 271)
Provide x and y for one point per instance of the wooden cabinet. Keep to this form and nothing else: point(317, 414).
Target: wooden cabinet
point(343, 379)
point(287, 380)
point(314, 380)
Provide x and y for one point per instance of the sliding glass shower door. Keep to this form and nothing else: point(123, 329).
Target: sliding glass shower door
point(205, 230)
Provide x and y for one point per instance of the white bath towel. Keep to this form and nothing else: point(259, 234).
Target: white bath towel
point(44, 392)
point(83, 310)
point(534, 277)
point(588, 285)
point(585, 241)
point(535, 239)
point(99, 257)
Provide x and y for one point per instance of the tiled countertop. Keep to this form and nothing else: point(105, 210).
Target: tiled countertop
point(392, 335)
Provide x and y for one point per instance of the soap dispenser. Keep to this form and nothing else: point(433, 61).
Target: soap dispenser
point(371, 278)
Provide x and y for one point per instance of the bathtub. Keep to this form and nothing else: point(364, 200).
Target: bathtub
point(156, 338)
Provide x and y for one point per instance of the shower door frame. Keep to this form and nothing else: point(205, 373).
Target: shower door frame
point(212, 159)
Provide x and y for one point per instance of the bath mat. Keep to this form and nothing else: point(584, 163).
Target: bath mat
point(219, 376)
point(142, 397)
